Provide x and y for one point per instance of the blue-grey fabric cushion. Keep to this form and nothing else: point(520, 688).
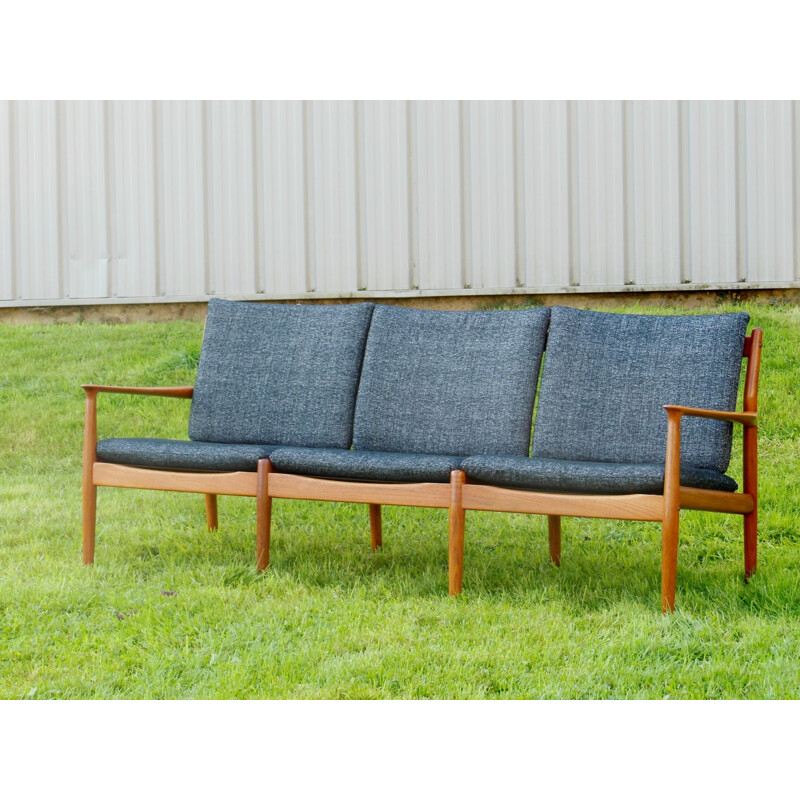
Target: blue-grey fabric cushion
point(606, 377)
point(182, 455)
point(590, 477)
point(365, 465)
point(449, 382)
point(279, 374)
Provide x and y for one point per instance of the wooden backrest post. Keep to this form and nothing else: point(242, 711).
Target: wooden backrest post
point(752, 351)
point(750, 444)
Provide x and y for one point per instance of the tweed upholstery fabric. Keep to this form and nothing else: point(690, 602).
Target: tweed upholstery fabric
point(280, 374)
point(590, 477)
point(606, 377)
point(365, 465)
point(182, 455)
point(449, 382)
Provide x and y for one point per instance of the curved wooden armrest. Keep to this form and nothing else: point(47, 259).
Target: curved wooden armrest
point(158, 391)
point(746, 418)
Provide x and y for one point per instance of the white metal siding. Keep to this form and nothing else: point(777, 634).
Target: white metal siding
point(122, 201)
point(439, 193)
point(7, 289)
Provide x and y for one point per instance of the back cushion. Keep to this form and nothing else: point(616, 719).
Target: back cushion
point(279, 374)
point(449, 382)
point(607, 376)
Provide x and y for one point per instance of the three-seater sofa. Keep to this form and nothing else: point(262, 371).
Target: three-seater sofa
point(385, 405)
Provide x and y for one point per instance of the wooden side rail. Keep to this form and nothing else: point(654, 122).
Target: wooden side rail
point(236, 484)
point(301, 487)
point(746, 503)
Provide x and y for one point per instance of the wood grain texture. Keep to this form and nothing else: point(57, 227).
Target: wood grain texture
point(456, 532)
point(672, 509)
point(753, 371)
point(300, 487)
point(157, 391)
point(212, 517)
point(242, 484)
point(554, 538)
point(625, 506)
point(89, 490)
point(263, 514)
point(742, 417)
point(709, 500)
point(750, 454)
point(375, 527)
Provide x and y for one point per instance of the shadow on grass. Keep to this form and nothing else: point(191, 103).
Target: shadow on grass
point(598, 573)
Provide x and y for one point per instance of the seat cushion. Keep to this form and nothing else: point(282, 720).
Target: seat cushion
point(606, 377)
point(285, 374)
point(449, 382)
point(586, 477)
point(365, 465)
point(182, 455)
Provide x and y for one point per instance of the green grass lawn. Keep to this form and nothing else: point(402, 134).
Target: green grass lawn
point(172, 611)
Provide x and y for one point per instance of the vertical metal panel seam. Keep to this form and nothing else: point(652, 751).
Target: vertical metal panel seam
point(359, 143)
point(684, 194)
point(466, 194)
point(628, 196)
point(62, 212)
point(205, 124)
point(258, 192)
point(14, 192)
point(573, 195)
point(109, 185)
point(158, 227)
point(308, 186)
point(796, 185)
point(518, 175)
point(740, 182)
point(412, 195)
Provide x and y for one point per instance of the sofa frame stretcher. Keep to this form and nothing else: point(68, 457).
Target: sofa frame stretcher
point(458, 496)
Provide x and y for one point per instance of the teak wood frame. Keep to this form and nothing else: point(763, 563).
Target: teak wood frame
point(459, 495)
point(664, 508)
point(264, 484)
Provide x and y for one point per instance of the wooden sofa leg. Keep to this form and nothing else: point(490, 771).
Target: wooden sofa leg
point(554, 532)
point(672, 511)
point(88, 486)
point(89, 521)
point(375, 529)
point(212, 519)
point(750, 543)
point(669, 561)
point(263, 514)
point(457, 517)
point(751, 487)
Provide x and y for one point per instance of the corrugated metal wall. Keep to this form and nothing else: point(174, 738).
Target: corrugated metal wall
point(129, 201)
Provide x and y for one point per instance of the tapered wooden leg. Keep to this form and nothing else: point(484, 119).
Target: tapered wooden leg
point(375, 530)
point(89, 521)
point(457, 517)
point(263, 514)
point(554, 532)
point(89, 490)
point(750, 544)
point(669, 560)
point(672, 512)
point(212, 519)
point(751, 488)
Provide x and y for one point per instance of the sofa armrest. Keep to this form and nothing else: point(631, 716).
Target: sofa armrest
point(746, 418)
point(158, 391)
point(90, 420)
